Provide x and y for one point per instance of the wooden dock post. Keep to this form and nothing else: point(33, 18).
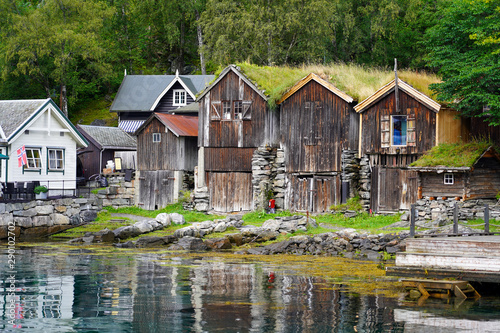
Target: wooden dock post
point(455, 219)
point(487, 219)
point(412, 220)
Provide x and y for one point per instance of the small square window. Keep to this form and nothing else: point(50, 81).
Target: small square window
point(448, 178)
point(34, 158)
point(156, 137)
point(179, 97)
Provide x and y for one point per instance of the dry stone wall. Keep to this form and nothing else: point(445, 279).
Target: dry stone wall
point(119, 193)
point(44, 217)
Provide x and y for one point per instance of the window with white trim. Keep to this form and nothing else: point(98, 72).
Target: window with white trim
point(56, 159)
point(448, 179)
point(34, 158)
point(156, 137)
point(179, 97)
point(238, 109)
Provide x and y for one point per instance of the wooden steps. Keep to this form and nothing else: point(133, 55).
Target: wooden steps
point(474, 258)
point(441, 288)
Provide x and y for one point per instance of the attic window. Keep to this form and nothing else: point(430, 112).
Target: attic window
point(398, 130)
point(226, 110)
point(238, 109)
point(179, 97)
point(448, 179)
point(156, 137)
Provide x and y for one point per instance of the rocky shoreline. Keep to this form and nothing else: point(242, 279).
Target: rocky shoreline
point(347, 242)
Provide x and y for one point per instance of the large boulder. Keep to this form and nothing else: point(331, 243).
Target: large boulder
point(218, 243)
point(104, 236)
point(192, 244)
point(164, 219)
point(177, 218)
point(154, 241)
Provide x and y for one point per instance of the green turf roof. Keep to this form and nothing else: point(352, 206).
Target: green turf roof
point(357, 81)
point(453, 155)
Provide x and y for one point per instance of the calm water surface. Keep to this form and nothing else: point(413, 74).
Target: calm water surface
point(61, 289)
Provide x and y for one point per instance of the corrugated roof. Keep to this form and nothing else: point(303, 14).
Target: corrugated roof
point(14, 113)
point(109, 137)
point(179, 125)
point(130, 126)
point(140, 92)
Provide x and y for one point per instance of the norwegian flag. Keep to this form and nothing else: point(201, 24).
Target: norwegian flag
point(21, 156)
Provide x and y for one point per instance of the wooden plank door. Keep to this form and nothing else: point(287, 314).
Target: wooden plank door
point(394, 189)
point(326, 193)
point(230, 191)
point(156, 189)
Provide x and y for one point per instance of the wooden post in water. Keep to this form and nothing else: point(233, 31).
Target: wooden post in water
point(455, 219)
point(412, 220)
point(487, 219)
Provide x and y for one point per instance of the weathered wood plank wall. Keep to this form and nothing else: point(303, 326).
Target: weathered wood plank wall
point(171, 153)
point(230, 191)
point(425, 128)
point(315, 126)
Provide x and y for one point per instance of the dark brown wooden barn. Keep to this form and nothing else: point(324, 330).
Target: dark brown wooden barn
point(166, 157)
point(317, 124)
point(397, 125)
point(234, 119)
point(105, 143)
point(477, 180)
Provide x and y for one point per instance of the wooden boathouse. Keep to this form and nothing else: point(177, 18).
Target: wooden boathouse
point(317, 123)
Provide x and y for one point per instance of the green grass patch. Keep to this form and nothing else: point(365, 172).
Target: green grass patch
point(86, 112)
point(257, 218)
point(189, 216)
point(364, 221)
point(453, 154)
point(351, 204)
point(357, 81)
point(96, 190)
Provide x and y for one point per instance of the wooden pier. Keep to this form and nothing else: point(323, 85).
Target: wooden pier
point(469, 258)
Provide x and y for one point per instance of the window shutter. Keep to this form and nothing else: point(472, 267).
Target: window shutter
point(215, 111)
point(411, 136)
point(247, 111)
point(385, 131)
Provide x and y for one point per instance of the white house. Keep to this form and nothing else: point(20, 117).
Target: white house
point(50, 141)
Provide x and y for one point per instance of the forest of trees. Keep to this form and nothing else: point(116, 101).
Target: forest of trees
point(77, 50)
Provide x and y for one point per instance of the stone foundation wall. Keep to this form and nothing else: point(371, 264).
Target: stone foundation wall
point(44, 217)
point(119, 193)
point(365, 183)
point(350, 171)
point(442, 210)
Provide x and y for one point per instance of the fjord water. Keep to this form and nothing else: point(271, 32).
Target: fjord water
point(102, 289)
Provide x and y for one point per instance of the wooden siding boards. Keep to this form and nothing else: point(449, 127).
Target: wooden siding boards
point(229, 144)
point(165, 104)
point(315, 126)
point(171, 153)
point(425, 125)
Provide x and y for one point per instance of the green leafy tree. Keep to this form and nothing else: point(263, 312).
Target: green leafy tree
point(57, 41)
point(465, 47)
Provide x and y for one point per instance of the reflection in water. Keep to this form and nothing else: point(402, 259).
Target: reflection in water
point(118, 291)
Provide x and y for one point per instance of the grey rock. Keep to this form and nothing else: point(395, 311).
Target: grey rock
point(177, 218)
point(218, 243)
point(126, 245)
point(192, 244)
point(164, 219)
point(105, 236)
point(143, 227)
point(88, 215)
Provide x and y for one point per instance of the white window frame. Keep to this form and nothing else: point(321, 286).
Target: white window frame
point(180, 97)
point(392, 131)
point(57, 158)
point(448, 178)
point(34, 163)
point(226, 110)
point(156, 137)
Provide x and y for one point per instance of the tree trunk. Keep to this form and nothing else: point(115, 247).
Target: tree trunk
point(200, 44)
point(63, 104)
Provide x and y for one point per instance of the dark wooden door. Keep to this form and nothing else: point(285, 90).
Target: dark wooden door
point(314, 193)
point(156, 189)
point(230, 191)
point(393, 189)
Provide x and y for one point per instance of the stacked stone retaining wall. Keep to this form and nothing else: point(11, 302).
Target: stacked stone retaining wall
point(119, 193)
point(44, 217)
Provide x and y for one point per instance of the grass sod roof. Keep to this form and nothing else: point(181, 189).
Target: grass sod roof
point(357, 81)
point(453, 155)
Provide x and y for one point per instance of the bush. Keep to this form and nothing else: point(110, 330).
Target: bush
point(40, 189)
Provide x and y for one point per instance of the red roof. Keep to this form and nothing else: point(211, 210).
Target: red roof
point(179, 125)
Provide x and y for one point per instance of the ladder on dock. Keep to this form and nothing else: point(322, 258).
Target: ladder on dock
point(441, 288)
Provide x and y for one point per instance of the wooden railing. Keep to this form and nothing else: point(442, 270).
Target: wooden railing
point(486, 224)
